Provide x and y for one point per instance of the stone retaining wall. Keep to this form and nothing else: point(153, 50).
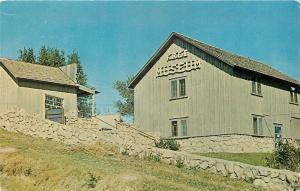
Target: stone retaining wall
point(228, 143)
point(131, 142)
point(272, 179)
point(80, 131)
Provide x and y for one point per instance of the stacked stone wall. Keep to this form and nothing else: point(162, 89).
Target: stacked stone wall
point(134, 143)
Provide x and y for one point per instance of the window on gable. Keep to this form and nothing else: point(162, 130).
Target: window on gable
point(173, 88)
point(182, 87)
point(293, 96)
point(256, 86)
point(258, 125)
point(178, 88)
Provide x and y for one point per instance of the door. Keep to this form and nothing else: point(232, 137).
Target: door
point(278, 133)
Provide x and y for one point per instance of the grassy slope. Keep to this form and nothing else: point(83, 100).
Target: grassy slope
point(257, 159)
point(52, 166)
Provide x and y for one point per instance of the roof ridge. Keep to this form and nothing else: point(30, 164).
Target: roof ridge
point(232, 59)
point(36, 64)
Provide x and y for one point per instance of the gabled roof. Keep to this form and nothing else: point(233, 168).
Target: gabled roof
point(233, 60)
point(37, 72)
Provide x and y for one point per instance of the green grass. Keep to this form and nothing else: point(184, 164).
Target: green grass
point(45, 165)
point(257, 159)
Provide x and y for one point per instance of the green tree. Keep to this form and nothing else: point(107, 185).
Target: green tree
point(83, 101)
point(51, 57)
point(125, 106)
point(26, 55)
point(81, 76)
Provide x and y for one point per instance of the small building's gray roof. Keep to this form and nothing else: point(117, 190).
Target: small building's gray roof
point(226, 57)
point(37, 72)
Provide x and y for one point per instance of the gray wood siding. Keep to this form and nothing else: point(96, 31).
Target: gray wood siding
point(219, 100)
point(31, 95)
point(8, 90)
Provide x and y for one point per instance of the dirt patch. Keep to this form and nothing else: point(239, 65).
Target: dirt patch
point(129, 177)
point(7, 150)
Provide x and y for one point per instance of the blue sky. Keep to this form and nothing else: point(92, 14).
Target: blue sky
point(115, 39)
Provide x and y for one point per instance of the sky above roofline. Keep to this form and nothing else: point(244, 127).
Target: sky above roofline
point(115, 39)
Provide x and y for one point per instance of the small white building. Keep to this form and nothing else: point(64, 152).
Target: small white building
point(43, 90)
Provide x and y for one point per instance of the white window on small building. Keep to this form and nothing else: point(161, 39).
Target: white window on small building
point(54, 109)
point(258, 125)
point(179, 127)
point(256, 86)
point(293, 96)
point(178, 88)
point(52, 102)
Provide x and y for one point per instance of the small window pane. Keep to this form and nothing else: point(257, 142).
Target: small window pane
point(184, 127)
point(258, 87)
point(182, 87)
point(260, 126)
point(253, 86)
point(292, 96)
point(255, 125)
point(173, 88)
point(174, 129)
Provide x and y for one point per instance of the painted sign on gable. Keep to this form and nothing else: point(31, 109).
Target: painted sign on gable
point(178, 68)
point(177, 55)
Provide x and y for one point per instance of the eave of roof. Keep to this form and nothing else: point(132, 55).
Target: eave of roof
point(87, 90)
point(42, 74)
point(219, 54)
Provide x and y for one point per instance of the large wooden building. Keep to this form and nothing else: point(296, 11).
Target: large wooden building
point(189, 88)
point(47, 91)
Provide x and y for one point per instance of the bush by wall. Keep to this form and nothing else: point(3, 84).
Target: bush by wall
point(285, 156)
point(170, 144)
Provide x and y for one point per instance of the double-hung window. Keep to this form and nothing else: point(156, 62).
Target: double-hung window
point(179, 127)
point(178, 88)
point(293, 96)
point(258, 125)
point(256, 86)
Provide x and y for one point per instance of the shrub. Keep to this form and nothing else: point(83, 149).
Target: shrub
point(91, 181)
point(179, 163)
point(170, 144)
point(285, 156)
point(153, 157)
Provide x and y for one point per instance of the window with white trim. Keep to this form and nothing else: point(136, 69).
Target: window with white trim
point(256, 86)
point(179, 127)
point(258, 125)
point(178, 88)
point(293, 96)
point(52, 102)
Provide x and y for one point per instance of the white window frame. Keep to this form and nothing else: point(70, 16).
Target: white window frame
point(53, 102)
point(182, 131)
point(176, 82)
point(256, 86)
point(293, 96)
point(258, 125)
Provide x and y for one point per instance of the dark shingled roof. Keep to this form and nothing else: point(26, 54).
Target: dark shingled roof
point(228, 58)
point(37, 72)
